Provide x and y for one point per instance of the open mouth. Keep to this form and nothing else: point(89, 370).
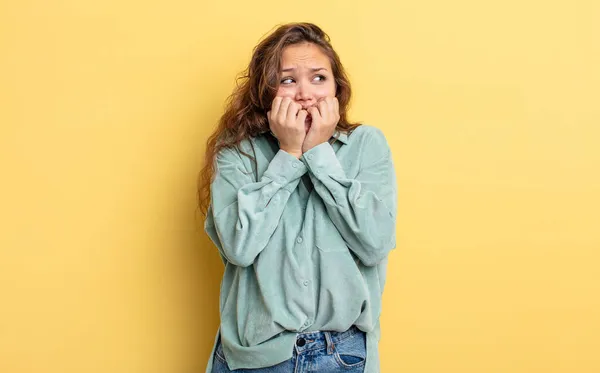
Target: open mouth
point(307, 122)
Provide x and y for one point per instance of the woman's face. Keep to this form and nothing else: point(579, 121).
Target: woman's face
point(306, 75)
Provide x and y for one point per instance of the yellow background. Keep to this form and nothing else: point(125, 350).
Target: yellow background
point(492, 110)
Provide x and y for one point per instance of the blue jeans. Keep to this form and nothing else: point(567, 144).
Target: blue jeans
point(327, 352)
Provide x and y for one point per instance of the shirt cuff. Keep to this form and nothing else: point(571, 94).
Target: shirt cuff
point(322, 161)
point(284, 169)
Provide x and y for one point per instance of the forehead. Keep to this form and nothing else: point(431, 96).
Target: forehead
point(304, 55)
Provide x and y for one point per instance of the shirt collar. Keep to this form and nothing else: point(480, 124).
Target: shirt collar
point(341, 136)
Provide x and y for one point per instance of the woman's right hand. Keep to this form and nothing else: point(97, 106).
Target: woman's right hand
point(286, 120)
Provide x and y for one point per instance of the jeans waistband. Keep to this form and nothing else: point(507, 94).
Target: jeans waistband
point(323, 339)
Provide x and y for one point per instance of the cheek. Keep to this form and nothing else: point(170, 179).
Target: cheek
point(327, 90)
point(286, 92)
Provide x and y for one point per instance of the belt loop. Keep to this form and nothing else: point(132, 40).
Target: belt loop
point(329, 342)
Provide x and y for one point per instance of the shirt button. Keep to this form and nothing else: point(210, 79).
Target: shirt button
point(295, 165)
point(299, 239)
point(282, 180)
point(307, 323)
point(310, 156)
point(317, 172)
point(305, 282)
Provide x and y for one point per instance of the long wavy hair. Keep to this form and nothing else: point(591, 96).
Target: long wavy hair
point(246, 108)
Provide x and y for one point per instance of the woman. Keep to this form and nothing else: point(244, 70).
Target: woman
point(301, 205)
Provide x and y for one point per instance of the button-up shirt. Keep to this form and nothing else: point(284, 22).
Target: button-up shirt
point(304, 242)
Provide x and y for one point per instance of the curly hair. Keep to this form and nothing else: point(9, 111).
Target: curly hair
point(246, 108)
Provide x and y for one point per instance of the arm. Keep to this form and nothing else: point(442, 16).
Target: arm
point(363, 209)
point(243, 214)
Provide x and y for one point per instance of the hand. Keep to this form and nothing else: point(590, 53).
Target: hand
point(325, 117)
point(286, 120)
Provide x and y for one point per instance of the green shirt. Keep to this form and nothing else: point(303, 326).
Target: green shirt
point(304, 241)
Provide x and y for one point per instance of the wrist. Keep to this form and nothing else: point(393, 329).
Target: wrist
point(294, 152)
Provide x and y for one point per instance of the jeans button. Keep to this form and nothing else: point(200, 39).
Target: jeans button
point(300, 342)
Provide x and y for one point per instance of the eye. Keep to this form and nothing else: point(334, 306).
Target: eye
point(320, 78)
point(287, 80)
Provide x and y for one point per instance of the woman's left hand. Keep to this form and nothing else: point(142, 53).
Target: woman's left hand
point(325, 117)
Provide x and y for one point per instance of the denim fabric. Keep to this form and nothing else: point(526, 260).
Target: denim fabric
point(325, 352)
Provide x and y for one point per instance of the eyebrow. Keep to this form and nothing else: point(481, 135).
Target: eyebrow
point(314, 69)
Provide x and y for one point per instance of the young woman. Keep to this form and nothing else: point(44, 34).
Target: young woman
point(301, 205)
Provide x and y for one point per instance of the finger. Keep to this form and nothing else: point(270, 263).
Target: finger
point(323, 109)
point(292, 112)
point(336, 104)
point(285, 103)
point(331, 106)
point(314, 113)
point(302, 114)
point(275, 105)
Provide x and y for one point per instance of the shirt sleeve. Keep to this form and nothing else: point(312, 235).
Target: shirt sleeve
point(243, 213)
point(363, 208)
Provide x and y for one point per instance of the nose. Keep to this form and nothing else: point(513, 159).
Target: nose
point(303, 95)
